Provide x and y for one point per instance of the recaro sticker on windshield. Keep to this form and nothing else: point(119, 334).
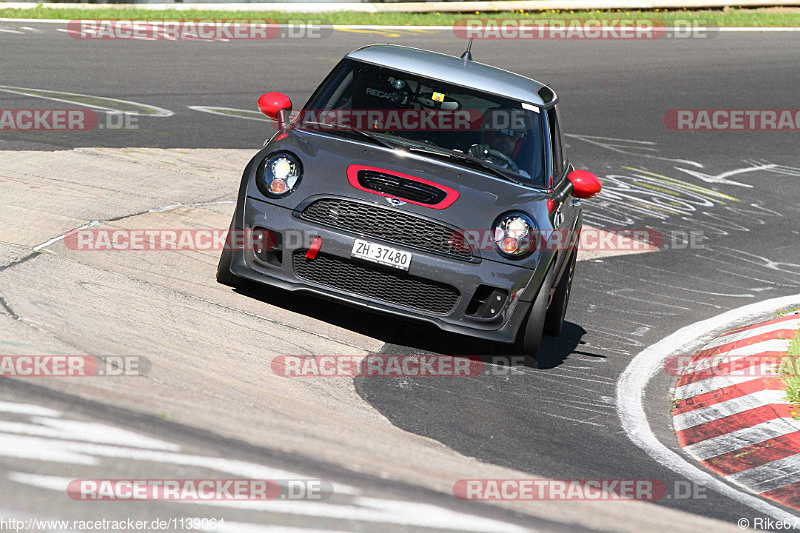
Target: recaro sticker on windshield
point(379, 94)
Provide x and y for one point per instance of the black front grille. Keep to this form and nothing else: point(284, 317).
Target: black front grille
point(403, 188)
point(389, 225)
point(376, 282)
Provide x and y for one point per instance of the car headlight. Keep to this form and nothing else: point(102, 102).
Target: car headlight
point(279, 175)
point(515, 234)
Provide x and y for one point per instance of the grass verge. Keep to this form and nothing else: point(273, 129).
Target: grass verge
point(784, 312)
point(790, 374)
point(734, 17)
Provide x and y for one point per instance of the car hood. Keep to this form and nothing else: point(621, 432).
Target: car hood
point(326, 158)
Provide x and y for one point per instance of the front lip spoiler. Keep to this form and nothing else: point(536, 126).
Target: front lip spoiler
point(505, 334)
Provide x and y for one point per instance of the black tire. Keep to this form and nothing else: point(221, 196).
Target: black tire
point(529, 336)
point(224, 274)
point(558, 308)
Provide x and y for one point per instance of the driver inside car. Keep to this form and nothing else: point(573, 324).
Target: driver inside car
point(501, 145)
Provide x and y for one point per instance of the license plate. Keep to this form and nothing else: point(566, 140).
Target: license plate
point(378, 253)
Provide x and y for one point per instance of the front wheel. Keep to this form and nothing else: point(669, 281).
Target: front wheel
point(529, 336)
point(554, 321)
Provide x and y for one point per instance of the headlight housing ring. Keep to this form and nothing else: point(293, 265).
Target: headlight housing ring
point(515, 234)
point(279, 174)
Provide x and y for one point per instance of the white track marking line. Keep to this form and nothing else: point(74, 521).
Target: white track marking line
point(727, 408)
point(43, 449)
point(56, 239)
point(27, 409)
point(99, 433)
point(770, 476)
point(634, 379)
point(244, 527)
point(786, 318)
point(734, 337)
point(741, 438)
point(82, 453)
point(363, 509)
point(157, 111)
point(12, 31)
point(215, 110)
point(754, 348)
point(36, 449)
point(154, 210)
point(720, 382)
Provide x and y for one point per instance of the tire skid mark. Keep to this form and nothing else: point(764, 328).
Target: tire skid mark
point(640, 195)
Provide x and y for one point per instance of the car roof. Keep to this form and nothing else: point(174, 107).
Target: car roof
point(455, 70)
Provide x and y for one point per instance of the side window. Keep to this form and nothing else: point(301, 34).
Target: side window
point(555, 136)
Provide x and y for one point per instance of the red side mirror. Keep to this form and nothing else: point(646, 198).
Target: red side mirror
point(276, 106)
point(584, 183)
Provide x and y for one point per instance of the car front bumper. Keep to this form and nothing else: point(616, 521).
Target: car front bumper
point(470, 279)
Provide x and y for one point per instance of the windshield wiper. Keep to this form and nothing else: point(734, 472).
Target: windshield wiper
point(338, 127)
point(466, 159)
point(372, 136)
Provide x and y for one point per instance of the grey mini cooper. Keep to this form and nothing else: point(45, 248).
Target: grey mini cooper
point(418, 184)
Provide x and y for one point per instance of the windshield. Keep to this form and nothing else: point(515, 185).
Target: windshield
point(408, 110)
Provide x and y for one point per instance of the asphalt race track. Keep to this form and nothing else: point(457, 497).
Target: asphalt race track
point(390, 448)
